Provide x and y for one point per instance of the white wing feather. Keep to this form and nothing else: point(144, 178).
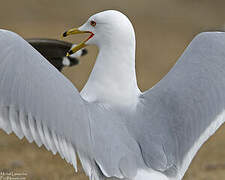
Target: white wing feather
point(38, 102)
point(185, 108)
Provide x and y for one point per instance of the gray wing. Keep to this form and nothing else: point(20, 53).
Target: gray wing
point(185, 108)
point(38, 102)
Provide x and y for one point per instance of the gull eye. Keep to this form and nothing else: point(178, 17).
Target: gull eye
point(93, 23)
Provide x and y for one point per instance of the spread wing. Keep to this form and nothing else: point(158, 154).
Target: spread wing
point(39, 103)
point(185, 108)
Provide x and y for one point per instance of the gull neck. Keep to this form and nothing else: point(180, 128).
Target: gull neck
point(113, 78)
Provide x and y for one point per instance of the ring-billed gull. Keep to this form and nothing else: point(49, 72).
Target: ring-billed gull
point(117, 131)
point(54, 51)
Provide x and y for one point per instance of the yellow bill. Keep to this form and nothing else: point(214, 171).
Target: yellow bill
point(82, 44)
point(76, 48)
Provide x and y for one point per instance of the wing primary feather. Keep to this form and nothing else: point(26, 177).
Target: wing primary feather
point(73, 156)
point(66, 150)
point(4, 119)
point(14, 120)
point(34, 131)
point(49, 139)
point(41, 133)
point(55, 139)
point(23, 119)
point(85, 163)
point(61, 147)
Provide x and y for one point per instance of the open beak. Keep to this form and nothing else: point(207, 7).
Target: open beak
point(82, 44)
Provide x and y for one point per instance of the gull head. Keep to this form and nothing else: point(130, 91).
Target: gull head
point(106, 29)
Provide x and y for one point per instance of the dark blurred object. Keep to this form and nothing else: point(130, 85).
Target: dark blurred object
point(55, 51)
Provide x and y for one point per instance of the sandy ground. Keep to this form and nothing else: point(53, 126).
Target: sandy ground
point(163, 30)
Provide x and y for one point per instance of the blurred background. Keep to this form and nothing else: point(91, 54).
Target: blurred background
point(163, 30)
